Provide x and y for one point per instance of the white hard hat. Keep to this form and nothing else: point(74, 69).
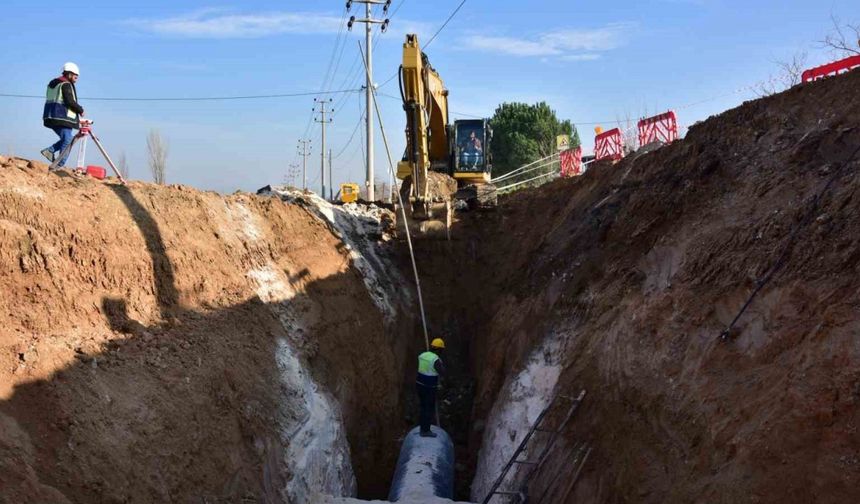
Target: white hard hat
point(71, 67)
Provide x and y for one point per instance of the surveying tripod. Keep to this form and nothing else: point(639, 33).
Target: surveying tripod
point(85, 132)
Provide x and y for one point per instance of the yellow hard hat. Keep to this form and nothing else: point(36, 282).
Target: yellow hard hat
point(437, 343)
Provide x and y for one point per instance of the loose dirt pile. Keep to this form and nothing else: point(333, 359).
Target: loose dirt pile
point(161, 344)
point(621, 281)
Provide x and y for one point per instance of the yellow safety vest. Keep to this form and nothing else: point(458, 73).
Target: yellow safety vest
point(426, 364)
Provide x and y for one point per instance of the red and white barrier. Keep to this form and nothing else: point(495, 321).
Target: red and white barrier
point(662, 127)
point(570, 161)
point(834, 68)
point(608, 145)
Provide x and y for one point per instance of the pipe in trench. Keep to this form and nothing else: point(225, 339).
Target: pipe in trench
point(425, 467)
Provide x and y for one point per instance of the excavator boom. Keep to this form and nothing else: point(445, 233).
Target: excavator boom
point(425, 101)
point(460, 151)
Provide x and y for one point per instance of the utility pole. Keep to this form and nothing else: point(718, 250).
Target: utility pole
point(323, 121)
point(304, 145)
point(368, 28)
point(290, 178)
point(330, 185)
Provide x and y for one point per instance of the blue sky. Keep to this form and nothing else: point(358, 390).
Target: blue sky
point(591, 61)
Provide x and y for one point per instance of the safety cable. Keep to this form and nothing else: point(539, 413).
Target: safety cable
point(789, 244)
point(543, 166)
point(499, 189)
point(510, 183)
point(547, 159)
point(403, 212)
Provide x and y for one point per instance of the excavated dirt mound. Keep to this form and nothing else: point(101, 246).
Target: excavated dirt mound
point(621, 281)
point(161, 344)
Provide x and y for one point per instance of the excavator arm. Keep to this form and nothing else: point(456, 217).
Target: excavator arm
point(425, 101)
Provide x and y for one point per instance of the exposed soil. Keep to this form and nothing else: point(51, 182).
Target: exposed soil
point(168, 345)
point(636, 268)
point(141, 346)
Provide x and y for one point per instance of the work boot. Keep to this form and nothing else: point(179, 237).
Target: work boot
point(427, 434)
point(49, 154)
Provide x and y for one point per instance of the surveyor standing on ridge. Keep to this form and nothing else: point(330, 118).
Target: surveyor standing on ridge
point(430, 367)
point(62, 112)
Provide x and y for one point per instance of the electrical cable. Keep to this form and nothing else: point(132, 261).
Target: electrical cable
point(329, 75)
point(193, 99)
point(445, 24)
point(351, 137)
point(762, 281)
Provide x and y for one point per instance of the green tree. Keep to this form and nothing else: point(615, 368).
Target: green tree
point(523, 133)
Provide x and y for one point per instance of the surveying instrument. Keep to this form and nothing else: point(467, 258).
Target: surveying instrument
point(85, 132)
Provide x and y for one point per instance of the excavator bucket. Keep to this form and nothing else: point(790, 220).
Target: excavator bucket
point(428, 206)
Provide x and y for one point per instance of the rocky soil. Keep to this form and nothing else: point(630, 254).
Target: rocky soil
point(621, 282)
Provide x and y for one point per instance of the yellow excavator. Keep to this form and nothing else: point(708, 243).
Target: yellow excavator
point(443, 162)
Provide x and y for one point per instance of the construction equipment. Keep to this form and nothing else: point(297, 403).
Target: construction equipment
point(85, 132)
point(460, 150)
point(349, 192)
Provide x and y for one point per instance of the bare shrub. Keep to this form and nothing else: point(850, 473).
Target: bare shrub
point(789, 74)
point(844, 38)
point(156, 146)
point(122, 165)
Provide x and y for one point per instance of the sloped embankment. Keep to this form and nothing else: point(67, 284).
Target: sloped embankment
point(161, 344)
point(621, 281)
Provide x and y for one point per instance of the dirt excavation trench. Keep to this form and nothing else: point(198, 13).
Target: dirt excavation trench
point(163, 344)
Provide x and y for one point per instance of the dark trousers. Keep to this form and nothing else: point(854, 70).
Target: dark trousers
point(427, 406)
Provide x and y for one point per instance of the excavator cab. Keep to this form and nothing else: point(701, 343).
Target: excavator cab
point(470, 147)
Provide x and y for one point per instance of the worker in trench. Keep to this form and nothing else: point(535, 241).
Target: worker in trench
point(430, 367)
point(62, 112)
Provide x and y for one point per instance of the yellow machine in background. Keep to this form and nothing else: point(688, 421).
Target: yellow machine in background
point(349, 192)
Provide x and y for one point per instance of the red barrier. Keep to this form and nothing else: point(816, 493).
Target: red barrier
point(571, 162)
point(833, 68)
point(662, 127)
point(607, 145)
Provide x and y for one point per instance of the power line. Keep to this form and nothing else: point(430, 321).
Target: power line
point(430, 41)
point(452, 112)
point(445, 23)
point(348, 142)
point(194, 99)
point(329, 75)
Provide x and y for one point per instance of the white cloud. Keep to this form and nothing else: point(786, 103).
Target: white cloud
point(580, 57)
point(510, 45)
point(224, 24)
point(567, 45)
point(216, 23)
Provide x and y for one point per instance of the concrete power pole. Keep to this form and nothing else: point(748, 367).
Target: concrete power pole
point(322, 103)
point(368, 29)
point(290, 178)
point(330, 185)
point(304, 145)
